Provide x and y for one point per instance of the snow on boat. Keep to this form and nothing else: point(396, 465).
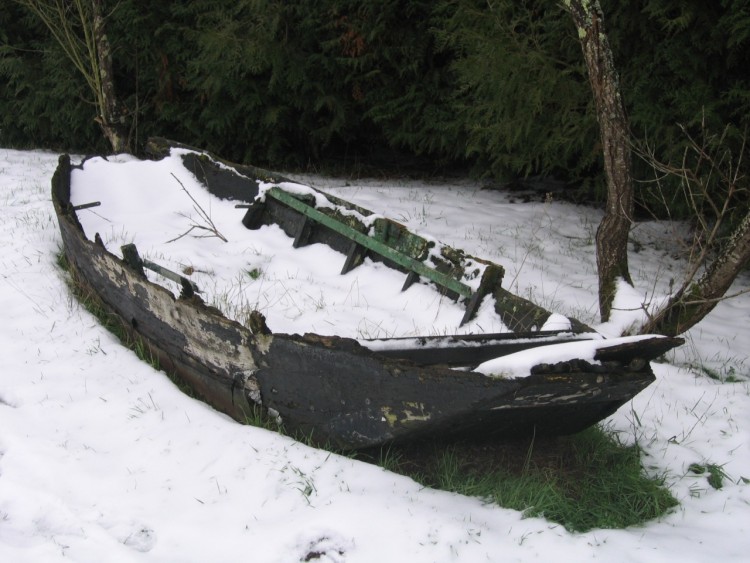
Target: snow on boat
point(276, 345)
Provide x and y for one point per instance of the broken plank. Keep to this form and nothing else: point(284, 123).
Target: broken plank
point(490, 278)
point(134, 260)
point(304, 229)
point(354, 257)
point(411, 279)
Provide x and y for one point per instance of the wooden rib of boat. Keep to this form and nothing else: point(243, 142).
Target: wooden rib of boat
point(336, 390)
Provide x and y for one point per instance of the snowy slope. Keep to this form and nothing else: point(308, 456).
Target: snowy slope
point(104, 459)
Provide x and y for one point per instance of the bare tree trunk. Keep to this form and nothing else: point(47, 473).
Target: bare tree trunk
point(111, 118)
point(690, 304)
point(613, 231)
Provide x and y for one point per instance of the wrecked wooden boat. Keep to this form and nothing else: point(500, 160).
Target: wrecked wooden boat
point(355, 393)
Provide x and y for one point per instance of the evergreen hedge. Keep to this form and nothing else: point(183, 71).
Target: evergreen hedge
point(500, 85)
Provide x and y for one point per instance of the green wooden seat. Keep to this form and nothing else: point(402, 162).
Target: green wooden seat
point(389, 240)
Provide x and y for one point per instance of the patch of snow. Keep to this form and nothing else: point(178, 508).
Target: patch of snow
point(520, 363)
point(102, 458)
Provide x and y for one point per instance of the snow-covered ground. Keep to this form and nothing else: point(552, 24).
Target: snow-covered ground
point(104, 459)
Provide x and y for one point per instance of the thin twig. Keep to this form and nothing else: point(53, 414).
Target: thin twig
point(209, 226)
point(717, 299)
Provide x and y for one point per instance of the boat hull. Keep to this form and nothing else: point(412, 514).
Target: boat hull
point(333, 390)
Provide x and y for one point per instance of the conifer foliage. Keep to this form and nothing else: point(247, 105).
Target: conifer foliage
point(521, 97)
point(43, 101)
point(499, 84)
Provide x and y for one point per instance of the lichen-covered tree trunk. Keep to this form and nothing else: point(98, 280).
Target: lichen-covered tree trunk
point(687, 307)
point(613, 231)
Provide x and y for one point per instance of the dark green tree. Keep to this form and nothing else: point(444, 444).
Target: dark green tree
point(521, 99)
point(44, 102)
point(683, 66)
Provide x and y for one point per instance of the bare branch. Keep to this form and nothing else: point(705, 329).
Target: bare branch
point(711, 177)
point(209, 226)
point(78, 28)
point(718, 299)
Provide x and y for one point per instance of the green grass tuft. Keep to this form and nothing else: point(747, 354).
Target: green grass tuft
point(714, 473)
point(728, 374)
point(582, 482)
